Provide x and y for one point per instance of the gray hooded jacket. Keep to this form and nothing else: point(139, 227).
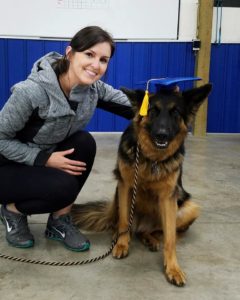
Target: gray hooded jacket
point(38, 116)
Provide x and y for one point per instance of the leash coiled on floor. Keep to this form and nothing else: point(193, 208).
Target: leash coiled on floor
point(94, 259)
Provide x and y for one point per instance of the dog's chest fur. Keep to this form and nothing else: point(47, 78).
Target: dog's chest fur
point(148, 170)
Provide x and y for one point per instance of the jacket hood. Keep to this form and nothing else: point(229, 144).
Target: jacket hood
point(43, 83)
point(43, 73)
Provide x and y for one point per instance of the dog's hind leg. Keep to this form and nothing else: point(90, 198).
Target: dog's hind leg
point(151, 240)
point(121, 248)
point(186, 215)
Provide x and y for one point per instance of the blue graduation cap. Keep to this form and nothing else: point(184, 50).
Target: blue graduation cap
point(161, 83)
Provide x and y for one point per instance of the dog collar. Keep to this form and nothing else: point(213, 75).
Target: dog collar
point(161, 83)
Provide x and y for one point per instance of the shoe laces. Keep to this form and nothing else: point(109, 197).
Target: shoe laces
point(67, 224)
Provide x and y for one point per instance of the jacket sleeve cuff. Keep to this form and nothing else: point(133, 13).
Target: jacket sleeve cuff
point(42, 158)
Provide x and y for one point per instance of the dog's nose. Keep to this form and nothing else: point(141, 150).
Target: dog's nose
point(163, 134)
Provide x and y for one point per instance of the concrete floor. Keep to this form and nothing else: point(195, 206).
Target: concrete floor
point(209, 252)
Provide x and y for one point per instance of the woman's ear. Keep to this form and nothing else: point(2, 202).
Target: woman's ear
point(68, 52)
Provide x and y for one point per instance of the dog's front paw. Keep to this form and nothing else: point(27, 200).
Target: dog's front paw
point(120, 251)
point(175, 276)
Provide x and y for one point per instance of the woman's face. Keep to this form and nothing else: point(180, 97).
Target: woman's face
point(88, 66)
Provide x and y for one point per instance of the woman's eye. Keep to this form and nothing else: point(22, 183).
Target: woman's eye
point(104, 60)
point(88, 54)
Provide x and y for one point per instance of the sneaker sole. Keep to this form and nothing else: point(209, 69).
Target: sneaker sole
point(49, 235)
point(29, 245)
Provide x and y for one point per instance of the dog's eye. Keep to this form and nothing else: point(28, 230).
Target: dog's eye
point(174, 111)
point(154, 111)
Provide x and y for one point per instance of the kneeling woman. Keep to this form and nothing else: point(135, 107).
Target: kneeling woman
point(45, 156)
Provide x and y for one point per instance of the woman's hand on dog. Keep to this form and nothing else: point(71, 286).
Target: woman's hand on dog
point(59, 161)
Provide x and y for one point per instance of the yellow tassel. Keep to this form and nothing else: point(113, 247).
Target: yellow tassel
point(144, 106)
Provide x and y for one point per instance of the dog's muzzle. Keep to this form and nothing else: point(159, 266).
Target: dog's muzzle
point(162, 139)
point(161, 144)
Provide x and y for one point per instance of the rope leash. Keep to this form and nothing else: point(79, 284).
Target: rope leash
point(91, 260)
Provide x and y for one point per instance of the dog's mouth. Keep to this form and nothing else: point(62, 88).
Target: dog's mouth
point(161, 143)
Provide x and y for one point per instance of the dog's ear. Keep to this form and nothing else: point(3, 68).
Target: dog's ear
point(135, 97)
point(195, 97)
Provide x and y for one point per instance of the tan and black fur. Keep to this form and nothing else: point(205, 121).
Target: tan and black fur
point(162, 205)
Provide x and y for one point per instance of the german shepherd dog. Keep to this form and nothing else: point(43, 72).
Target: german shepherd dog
point(162, 205)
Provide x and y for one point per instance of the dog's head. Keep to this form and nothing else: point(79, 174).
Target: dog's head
point(169, 112)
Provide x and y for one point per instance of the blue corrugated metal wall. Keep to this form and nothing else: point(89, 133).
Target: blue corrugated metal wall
point(224, 102)
point(134, 63)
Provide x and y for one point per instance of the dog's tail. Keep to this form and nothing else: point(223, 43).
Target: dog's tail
point(95, 216)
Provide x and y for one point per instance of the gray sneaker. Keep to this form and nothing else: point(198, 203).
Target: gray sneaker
point(62, 229)
point(17, 231)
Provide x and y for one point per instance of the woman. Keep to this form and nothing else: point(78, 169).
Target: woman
point(45, 156)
